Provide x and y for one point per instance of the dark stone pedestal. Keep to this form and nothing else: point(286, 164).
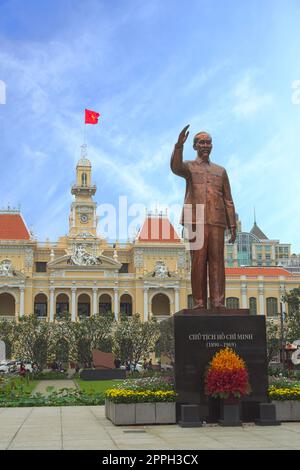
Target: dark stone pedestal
point(230, 414)
point(190, 416)
point(199, 334)
point(267, 415)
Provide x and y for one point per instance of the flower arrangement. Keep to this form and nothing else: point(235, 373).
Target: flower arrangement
point(143, 396)
point(227, 376)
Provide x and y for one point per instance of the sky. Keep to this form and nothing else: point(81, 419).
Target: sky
point(230, 68)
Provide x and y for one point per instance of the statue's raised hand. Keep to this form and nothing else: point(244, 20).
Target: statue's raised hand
point(183, 135)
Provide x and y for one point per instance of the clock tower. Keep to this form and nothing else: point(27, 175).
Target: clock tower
point(83, 219)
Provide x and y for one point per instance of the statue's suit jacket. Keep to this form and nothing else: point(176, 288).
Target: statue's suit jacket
point(207, 184)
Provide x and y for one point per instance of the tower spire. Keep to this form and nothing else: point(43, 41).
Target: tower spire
point(83, 154)
point(254, 216)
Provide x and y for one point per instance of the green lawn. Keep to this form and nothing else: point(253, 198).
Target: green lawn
point(97, 385)
point(27, 386)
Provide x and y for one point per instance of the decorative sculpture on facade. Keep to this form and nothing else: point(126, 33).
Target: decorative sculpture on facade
point(160, 270)
point(6, 268)
point(81, 257)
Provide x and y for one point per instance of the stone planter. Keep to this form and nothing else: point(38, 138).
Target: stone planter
point(140, 413)
point(288, 410)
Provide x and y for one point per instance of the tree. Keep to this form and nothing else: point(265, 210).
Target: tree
point(165, 345)
point(31, 339)
point(134, 339)
point(62, 345)
point(92, 333)
point(273, 340)
point(293, 317)
point(6, 335)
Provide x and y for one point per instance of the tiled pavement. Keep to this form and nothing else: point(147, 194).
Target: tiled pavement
point(85, 427)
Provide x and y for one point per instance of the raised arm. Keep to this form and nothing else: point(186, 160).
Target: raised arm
point(177, 165)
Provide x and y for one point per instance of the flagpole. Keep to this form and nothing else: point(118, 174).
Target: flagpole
point(83, 146)
point(84, 131)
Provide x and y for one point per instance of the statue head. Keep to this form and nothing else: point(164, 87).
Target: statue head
point(203, 145)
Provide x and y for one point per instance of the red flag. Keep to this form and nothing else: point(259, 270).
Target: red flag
point(91, 117)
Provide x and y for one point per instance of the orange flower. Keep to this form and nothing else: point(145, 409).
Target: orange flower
point(227, 359)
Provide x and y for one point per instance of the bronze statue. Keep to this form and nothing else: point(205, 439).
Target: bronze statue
point(207, 187)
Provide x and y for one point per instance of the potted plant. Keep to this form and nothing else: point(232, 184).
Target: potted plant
point(227, 378)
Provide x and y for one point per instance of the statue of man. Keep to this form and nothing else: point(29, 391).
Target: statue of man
point(207, 189)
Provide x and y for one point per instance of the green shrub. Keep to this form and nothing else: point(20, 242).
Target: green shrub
point(51, 375)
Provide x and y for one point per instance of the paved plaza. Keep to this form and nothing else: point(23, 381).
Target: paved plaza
point(85, 427)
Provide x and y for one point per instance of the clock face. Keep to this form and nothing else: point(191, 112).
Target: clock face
point(84, 218)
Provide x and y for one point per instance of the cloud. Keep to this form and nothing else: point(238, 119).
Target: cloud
point(248, 100)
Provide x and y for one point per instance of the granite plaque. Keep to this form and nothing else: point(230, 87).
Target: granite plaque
point(199, 335)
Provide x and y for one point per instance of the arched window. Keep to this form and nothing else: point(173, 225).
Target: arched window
point(190, 301)
point(83, 179)
point(272, 307)
point(160, 304)
point(84, 305)
point(7, 305)
point(253, 306)
point(105, 304)
point(232, 302)
point(40, 305)
point(62, 304)
point(126, 305)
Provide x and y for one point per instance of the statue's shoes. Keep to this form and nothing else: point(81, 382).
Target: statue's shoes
point(198, 307)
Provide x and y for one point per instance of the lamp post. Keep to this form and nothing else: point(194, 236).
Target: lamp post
point(282, 336)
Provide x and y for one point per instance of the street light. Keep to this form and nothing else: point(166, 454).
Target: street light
point(282, 318)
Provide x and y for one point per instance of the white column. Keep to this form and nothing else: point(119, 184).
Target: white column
point(281, 293)
point(261, 299)
point(176, 299)
point(51, 318)
point(116, 303)
point(244, 291)
point(73, 302)
point(244, 297)
point(146, 313)
point(22, 302)
point(95, 307)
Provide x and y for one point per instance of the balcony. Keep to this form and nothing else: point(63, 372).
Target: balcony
point(83, 190)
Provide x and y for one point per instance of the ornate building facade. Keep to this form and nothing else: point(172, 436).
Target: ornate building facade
point(83, 274)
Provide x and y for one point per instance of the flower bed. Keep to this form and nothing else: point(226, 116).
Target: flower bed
point(139, 396)
point(284, 393)
point(135, 406)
